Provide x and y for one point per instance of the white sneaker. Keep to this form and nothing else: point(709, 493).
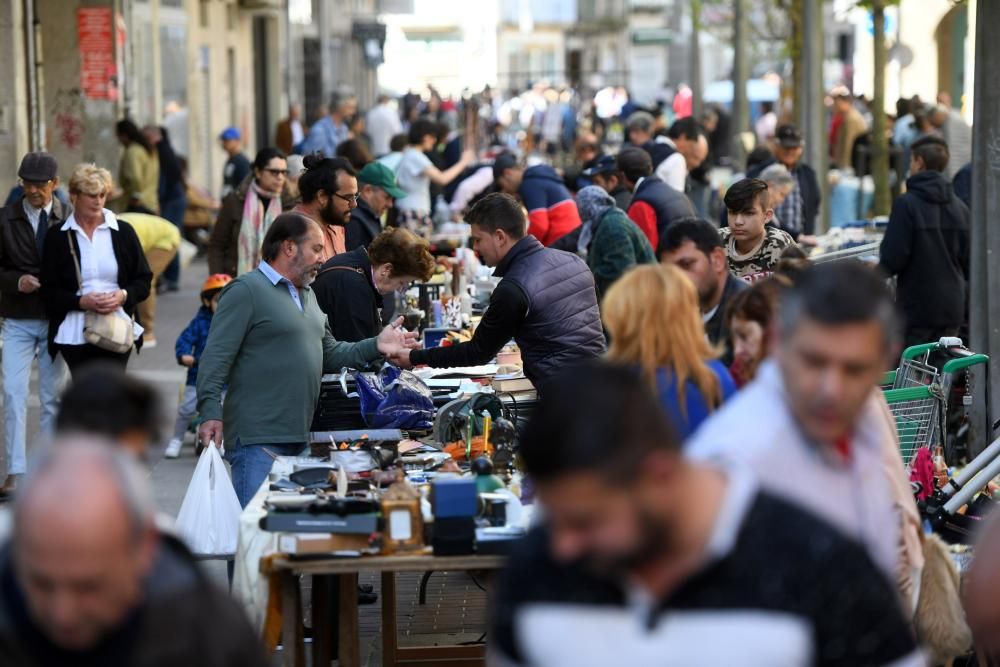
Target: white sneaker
point(173, 449)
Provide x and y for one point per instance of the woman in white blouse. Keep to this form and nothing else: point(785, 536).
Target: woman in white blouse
point(113, 269)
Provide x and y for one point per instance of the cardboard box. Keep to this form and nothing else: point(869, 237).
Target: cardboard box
point(300, 544)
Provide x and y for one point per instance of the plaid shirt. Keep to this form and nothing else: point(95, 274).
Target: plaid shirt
point(790, 211)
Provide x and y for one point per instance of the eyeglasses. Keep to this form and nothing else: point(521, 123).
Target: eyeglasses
point(277, 172)
point(348, 198)
point(35, 185)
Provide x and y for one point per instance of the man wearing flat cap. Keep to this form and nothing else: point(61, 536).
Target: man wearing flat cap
point(23, 225)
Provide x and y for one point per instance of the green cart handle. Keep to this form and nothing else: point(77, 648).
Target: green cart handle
point(960, 364)
point(888, 379)
point(911, 353)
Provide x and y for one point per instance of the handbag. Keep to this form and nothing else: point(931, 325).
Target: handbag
point(106, 331)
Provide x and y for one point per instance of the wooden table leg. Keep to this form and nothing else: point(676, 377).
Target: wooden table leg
point(389, 619)
point(291, 619)
point(322, 627)
point(350, 652)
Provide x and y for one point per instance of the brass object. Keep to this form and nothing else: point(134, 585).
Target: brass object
point(404, 522)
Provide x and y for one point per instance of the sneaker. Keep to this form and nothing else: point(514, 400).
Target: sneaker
point(173, 449)
point(149, 342)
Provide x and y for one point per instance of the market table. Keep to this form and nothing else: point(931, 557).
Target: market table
point(323, 571)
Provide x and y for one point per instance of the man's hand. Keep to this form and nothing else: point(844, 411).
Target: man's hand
point(210, 431)
point(402, 359)
point(27, 284)
point(394, 338)
point(187, 360)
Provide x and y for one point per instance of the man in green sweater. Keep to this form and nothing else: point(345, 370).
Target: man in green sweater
point(270, 343)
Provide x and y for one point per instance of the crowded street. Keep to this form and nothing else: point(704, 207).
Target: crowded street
point(499, 333)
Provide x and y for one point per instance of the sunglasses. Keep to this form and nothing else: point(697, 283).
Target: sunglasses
point(277, 172)
point(348, 198)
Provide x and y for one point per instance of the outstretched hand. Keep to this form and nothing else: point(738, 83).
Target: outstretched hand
point(394, 339)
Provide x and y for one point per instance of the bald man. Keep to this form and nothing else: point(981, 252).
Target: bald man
point(87, 580)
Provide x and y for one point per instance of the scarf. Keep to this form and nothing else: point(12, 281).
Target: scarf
point(256, 222)
point(592, 202)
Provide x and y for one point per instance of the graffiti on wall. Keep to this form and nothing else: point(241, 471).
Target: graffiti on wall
point(68, 118)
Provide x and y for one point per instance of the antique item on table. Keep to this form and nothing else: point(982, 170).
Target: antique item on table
point(404, 523)
point(486, 481)
point(455, 504)
point(345, 516)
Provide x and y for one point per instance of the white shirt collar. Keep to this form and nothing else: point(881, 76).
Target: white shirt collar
point(637, 184)
point(31, 210)
point(110, 222)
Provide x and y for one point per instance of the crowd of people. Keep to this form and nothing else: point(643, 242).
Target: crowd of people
point(711, 450)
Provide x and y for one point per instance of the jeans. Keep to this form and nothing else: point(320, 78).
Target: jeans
point(250, 465)
point(173, 210)
point(22, 341)
point(187, 408)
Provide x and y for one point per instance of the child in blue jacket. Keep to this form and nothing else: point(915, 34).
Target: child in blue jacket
point(190, 345)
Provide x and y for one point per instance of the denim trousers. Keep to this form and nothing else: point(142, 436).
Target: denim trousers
point(250, 465)
point(23, 340)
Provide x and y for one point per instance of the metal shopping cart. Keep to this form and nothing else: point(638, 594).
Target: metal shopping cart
point(939, 378)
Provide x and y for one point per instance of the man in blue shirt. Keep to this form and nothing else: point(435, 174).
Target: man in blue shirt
point(331, 130)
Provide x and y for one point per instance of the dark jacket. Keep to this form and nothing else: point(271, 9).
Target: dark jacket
point(623, 197)
point(812, 194)
point(715, 328)
point(192, 341)
point(363, 226)
point(926, 246)
point(19, 256)
point(563, 324)
point(182, 620)
point(223, 246)
point(658, 151)
point(668, 204)
point(552, 213)
point(345, 291)
point(60, 284)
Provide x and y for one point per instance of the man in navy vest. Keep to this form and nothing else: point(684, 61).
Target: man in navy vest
point(654, 203)
point(546, 301)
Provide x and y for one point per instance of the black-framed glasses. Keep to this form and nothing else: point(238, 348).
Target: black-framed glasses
point(276, 172)
point(349, 198)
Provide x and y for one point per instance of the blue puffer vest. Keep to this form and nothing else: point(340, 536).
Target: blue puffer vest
point(563, 324)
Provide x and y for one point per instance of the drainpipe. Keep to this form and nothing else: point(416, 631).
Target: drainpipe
point(31, 62)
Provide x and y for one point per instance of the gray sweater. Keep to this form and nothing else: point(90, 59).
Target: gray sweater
point(273, 356)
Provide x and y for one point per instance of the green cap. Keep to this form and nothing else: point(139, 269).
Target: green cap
point(379, 175)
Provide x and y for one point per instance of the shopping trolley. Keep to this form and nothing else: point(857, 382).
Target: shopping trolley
point(918, 414)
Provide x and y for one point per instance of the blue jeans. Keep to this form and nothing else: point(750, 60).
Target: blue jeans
point(22, 341)
point(250, 465)
point(173, 210)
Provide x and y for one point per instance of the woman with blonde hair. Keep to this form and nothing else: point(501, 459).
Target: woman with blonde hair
point(92, 262)
point(654, 323)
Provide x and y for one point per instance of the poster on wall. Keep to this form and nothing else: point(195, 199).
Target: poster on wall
point(98, 71)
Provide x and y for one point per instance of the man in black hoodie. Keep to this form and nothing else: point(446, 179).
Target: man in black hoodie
point(926, 246)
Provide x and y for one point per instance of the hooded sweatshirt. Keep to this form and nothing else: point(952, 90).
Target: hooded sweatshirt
point(926, 246)
point(552, 212)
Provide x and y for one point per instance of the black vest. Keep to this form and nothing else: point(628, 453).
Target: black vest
point(667, 203)
point(563, 324)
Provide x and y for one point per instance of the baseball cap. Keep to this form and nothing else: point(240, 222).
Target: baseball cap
point(503, 162)
point(605, 164)
point(230, 134)
point(38, 167)
point(379, 175)
point(788, 136)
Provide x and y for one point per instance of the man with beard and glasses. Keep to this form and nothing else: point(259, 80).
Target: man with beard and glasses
point(693, 245)
point(644, 557)
point(329, 191)
point(820, 443)
point(270, 343)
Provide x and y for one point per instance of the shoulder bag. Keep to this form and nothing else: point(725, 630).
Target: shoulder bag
point(106, 331)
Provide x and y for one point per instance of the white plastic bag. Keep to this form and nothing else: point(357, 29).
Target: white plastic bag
point(209, 519)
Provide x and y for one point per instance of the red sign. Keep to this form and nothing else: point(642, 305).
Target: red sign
point(97, 52)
